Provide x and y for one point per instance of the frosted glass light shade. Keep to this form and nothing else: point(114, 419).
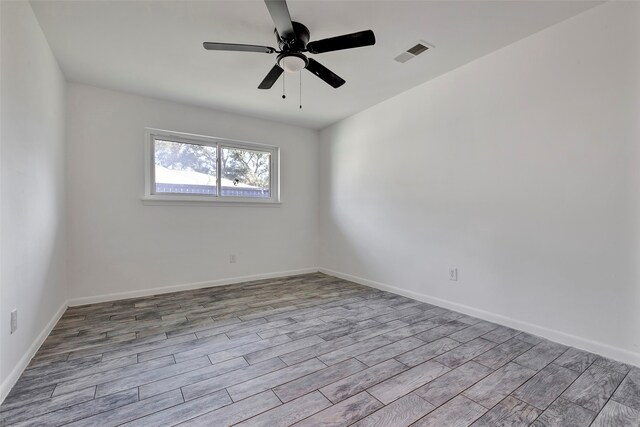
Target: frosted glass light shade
point(291, 64)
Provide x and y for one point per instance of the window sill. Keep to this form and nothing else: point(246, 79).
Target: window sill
point(155, 200)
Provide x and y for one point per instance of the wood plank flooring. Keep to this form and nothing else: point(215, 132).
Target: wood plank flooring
point(306, 351)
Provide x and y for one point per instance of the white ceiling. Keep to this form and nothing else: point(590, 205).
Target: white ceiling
point(154, 48)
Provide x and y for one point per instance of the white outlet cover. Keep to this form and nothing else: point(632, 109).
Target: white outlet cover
point(453, 274)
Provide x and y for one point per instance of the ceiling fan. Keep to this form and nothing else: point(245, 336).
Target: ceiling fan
point(293, 42)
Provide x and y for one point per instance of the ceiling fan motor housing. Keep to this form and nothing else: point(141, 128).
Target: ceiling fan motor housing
point(296, 43)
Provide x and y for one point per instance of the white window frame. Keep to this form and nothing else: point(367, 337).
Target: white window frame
point(151, 198)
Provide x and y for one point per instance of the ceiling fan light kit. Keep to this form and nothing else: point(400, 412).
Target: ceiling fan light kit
point(293, 41)
point(292, 62)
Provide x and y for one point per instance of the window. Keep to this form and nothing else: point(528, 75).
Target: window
point(192, 168)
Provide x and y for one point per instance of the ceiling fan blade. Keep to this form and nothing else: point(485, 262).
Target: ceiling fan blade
point(237, 47)
point(324, 73)
point(271, 77)
point(347, 41)
point(280, 14)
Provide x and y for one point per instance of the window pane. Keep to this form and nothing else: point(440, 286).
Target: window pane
point(245, 173)
point(184, 168)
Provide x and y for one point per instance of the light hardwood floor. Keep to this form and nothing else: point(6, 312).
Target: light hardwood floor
point(309, 350)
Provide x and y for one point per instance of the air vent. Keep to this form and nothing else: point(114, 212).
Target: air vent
point(418, 49)
point(412, 52)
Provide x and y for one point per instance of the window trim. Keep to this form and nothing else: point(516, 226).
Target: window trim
point(150, 198)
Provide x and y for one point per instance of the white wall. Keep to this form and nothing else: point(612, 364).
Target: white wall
point(118, 245)
point(32, 196)
point(521, 169)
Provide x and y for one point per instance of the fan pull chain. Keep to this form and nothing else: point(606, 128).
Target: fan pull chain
point(283, 76)
point(301, 89)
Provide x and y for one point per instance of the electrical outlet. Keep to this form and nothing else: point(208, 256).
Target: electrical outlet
point(14, 320)
point(453, 274)
point(232, 258)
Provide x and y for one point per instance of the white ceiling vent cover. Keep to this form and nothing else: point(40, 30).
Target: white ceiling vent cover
point(413, 51)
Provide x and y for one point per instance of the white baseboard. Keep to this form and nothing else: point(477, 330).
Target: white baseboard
point(186, 286)
point(602, 349)
point(13, 377)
